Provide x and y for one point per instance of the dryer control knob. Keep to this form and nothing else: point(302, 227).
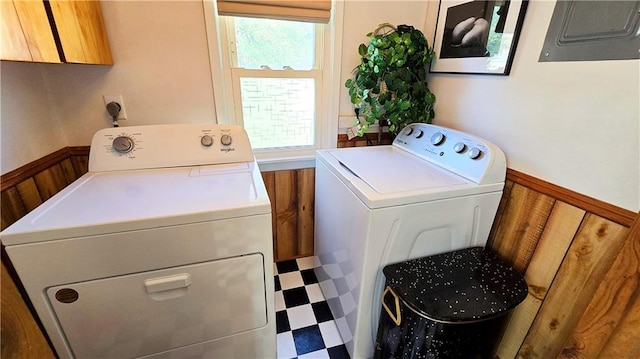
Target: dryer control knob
point(459, 147)
point(438, 138)
point(419, 134)
point(226, 140)
point(206, 141)
point(408, 131)
point(122, 144)
point(475, 153)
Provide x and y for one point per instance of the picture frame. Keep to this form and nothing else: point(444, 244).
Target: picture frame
point(477, 37)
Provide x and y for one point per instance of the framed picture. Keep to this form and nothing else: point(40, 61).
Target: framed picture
point(477, 37)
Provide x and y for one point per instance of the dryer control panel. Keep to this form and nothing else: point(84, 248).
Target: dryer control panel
point(468, 156)
point(159, 146)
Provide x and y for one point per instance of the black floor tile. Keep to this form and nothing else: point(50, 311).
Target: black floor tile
point(295, 296)
point(282, 322)
point(321, 311)
point(287, 266)
point(277, 285)
point(308, 339)
point(339, 352)
point(308, 276)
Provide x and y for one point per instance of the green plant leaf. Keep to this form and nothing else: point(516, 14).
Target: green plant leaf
point(362, 50)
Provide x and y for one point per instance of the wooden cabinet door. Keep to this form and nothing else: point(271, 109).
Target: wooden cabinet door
point(81, 30)
point(26, 32)
point(28, 35)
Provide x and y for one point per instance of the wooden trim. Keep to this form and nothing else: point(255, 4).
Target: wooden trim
point(386, 136)
point(603, 209)
point(79, 150)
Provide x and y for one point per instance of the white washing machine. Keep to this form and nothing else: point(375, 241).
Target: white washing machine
point(433, 190)
point(162, 250)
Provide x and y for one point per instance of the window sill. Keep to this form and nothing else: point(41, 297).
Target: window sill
point(286, 163)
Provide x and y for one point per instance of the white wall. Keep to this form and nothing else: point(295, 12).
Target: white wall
point(587, 142)
point(30, 129)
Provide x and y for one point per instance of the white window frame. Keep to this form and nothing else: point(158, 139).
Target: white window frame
point(327, 103)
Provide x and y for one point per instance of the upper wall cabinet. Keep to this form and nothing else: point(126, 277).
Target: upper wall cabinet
point(54, 31)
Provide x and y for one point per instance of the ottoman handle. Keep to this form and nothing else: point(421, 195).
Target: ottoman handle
point(396, 318)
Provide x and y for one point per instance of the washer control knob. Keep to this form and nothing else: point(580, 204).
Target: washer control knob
point(206, 141)
point(438, 138)
point(419, 134)
point(226, 140)
point(408, 131)
point(475, 153)
point(459, 147)
point(122, 144)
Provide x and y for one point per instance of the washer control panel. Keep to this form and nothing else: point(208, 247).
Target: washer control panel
point(469, 156)
point(158, 146)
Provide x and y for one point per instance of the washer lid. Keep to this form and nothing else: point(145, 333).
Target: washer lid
point(389, 170)
point(118, 201)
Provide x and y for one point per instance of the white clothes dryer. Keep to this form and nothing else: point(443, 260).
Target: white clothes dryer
point(162, 250)
point(433, 190)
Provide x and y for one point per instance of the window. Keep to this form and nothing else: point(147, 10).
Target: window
point(276, 78)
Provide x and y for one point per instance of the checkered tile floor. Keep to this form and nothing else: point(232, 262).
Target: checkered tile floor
point(305, 326)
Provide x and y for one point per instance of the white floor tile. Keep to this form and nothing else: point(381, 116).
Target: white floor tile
point(301, 316)
point(291, 280)
point(306, 262)
point(279, 301)
point(286, 347)
point(330, 334)
point(315, 293)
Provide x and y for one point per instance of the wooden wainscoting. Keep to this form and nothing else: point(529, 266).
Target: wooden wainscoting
point(29, 186)
point(292, 195)
point(581, 262)
point(370, 139)
point(580, 257)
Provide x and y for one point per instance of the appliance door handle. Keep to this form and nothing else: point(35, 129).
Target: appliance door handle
point(163, 284)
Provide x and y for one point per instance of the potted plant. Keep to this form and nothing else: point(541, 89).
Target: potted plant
point(389, 86)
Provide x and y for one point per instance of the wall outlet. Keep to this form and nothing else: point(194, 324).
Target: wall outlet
point(118, 99)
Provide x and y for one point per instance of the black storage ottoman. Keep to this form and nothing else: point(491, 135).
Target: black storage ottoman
point(450, 305)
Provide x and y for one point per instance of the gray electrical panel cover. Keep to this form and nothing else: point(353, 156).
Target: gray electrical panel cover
point(585, 30)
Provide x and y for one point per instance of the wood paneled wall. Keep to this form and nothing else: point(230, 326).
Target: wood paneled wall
point(24, 189)
point(582, 264)
point(580, 256)
point(292, 195)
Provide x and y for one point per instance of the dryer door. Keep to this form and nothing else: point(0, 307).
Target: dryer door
point(145, 313)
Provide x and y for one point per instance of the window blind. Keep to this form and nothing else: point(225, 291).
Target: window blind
point(301, 10)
